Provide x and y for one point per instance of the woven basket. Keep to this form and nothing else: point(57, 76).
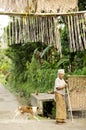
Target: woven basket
point(77, 91)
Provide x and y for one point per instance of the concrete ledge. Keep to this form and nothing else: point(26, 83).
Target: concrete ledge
point(37, 100)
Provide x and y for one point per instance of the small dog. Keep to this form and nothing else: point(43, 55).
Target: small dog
point(25, 109)
point(32, 111)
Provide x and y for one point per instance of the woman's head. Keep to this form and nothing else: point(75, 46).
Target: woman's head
point(61, 73)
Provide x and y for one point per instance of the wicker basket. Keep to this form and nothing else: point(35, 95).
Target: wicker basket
point(77, 91)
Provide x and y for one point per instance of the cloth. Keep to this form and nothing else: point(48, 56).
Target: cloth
point(61, 71)
point(60, 108)
point(59, 83)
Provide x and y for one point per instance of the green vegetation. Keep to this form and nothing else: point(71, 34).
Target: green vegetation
point(82, 4)
point(33, 67)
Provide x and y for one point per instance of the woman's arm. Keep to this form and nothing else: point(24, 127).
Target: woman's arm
point(60, 88)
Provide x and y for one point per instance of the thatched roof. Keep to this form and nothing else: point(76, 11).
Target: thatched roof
point(55, 6)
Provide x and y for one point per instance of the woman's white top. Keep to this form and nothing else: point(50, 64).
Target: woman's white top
point(59, 83)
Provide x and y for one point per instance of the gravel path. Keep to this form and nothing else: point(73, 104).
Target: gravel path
point(8, 105)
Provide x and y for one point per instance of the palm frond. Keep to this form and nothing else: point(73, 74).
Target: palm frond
point(60, 62)
point(45, 51)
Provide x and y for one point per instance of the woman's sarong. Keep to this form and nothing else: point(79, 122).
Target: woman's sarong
point(60, 108)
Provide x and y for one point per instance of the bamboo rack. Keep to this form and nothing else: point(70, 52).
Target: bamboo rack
point(43, 27)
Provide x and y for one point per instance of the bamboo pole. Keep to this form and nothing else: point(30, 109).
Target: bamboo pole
point(31, 32)
point(13, 29)
point(76, 35)
point(50, 31)
point(23, 30)
point(78, 28)
point(31, 20)
point(28, 30)
point(16, 33)
point(57, 36)
point(69, 29)
point(22, 25)
point(83, 30)
point(70, 105)
point(9, 37)
point(39, 28)
point(53, 32)
point(50, 35)
point(34, 29)
point(41, 14)
point(47, 30)
point(81, 20)
point(42, 30)
point(12, 32)
point(19, 30)
point(72, 34)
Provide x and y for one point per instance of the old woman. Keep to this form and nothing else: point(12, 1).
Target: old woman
point(59, 90)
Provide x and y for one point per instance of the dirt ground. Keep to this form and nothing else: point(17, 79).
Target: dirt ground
point(8, 105)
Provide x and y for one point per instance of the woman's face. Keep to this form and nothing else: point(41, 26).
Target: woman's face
point(61, 76)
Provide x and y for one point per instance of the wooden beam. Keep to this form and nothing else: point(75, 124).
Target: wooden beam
point(41, 14)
